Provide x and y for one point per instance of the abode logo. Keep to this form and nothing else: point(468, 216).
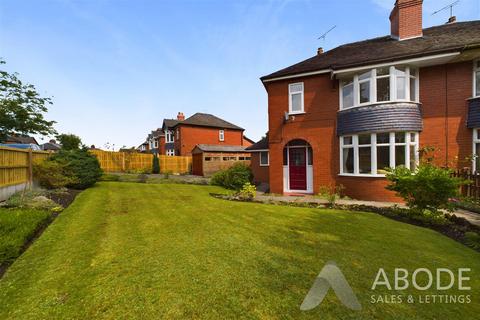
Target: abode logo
point(330, 277)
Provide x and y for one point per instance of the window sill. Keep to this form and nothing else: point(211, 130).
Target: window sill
point(264, 165)
point(296, 113)
point(362, 175)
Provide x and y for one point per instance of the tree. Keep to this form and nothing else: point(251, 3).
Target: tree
point(156, 164)
point(22, 108)
point(69, 141)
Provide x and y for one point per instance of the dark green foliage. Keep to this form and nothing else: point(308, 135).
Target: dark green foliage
point(69, 141)
point(21, 108)
point(81, 165)
point(52, 174)
point(427, 188)
point(155, 164)
point(234, 177)
point(473, 239)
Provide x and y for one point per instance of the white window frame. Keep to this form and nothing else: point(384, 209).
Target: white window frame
point(170, 152)
point(291, 93)
point(169, 137)
point(476, 68)
point(221, 135)
point(475, 142)
point(373, 149)
point(155, 143)
point(373, 86)
point(260, 159)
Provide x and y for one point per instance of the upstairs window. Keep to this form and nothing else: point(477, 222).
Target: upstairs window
point(156, 143)
point(476, 80)
point(385, 84)
point(264, 158)
point(168, 136)
point(221, 135)
point(295, 98)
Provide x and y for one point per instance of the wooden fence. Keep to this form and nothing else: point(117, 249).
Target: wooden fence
point(471, 189)
point(138, 162)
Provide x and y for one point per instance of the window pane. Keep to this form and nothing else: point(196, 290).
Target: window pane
point(399, 156)
point(365, 75)
point(365, 160)
point(383, 137)
point(365, 92)
point(400, 71)
point(347, 95)
point(263, 157)
point(297, 102)
point(400, 87)
point(477, 157)
point(296, 87)
point(285, 156)
point(383, 71)
point(413, 163)
point(347, 160)
point(400, 137)
point(413, 88)
point(383, 158)
point(477, 83)
point(412, 136)
point(364, 139)
point(383, 89)
point(347, 140)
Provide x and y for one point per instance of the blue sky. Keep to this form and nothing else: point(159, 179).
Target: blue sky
point(116, 68)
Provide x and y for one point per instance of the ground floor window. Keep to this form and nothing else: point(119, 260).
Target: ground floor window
point(476, 150)
point(170, 152)
point(264, 158)
point(371, 153)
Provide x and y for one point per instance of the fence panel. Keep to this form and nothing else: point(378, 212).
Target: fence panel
point(471, 189)
point(134, 161)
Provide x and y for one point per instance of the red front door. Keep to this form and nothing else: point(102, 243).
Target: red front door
point(297, 164)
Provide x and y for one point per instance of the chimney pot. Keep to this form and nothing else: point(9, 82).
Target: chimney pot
point(319, 51)
point(180, 116)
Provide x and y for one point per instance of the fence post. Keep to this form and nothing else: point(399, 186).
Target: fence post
point(30, 167)
point(123, 162)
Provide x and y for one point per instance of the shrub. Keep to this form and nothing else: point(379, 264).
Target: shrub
point(248, 191)
point(234, 177)
point(35, 199)
point(472, 239)
point(427, 188)
point(52, 174)
point(331, 193)
point(81, 165)
point(155, 164)
point(69, 141)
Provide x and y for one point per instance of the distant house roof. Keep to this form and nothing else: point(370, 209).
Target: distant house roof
point(21, 140)
point(248, 139)
point(435, 40)
point(50, 146)
point(218, 148)
point(208, 120)
point(262, 144)
point(169, 123)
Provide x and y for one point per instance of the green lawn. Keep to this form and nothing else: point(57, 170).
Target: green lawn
point(16, 227)
point(152, 251)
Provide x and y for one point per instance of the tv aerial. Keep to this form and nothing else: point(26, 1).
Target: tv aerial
point(323, 36)
point(448, 6)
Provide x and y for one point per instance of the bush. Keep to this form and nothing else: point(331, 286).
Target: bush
point(155, 165)
point(472, 239)
point(427, 188)
point(248, 191)
point(52, 174)
point(331, 193)
point(234, 177)
point(80, 165)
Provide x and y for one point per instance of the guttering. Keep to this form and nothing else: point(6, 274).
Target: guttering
point(256, 150)
point(305, 74)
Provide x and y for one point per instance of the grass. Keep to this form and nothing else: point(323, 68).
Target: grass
point(17, 226)
point(152, 251)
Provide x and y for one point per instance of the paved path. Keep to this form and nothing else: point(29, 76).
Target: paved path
point(473, 218)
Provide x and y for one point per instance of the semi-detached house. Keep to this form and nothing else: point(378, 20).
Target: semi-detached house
point(343, 116)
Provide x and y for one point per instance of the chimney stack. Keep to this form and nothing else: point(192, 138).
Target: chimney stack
point(452, 19)
point(319, 51)
point(180, 116)
point(406, 19)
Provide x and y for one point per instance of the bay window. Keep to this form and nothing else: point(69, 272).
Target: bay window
point(476, 79)
point(476, 150)
point(372, 154)
point(295, 98)
point(385, 84)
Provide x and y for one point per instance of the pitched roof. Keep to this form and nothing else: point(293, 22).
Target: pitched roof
point(21, 139)
point(50, 146)
point(219, 148)
point(209, 120)
point(169, 123)
point(435, 40)
point(262, 144)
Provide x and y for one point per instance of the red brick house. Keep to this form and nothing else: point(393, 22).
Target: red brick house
point(260, 161)
point(342, 116)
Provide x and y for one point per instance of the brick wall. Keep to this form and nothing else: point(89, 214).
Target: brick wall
point(444, 122)
point(260, 173)
point(190, 136)
point(406, 19)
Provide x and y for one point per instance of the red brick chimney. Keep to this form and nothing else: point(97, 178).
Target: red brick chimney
point(406, 19)
point(180, 116)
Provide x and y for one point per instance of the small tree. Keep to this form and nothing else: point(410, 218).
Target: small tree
point(155, 164)
point(21, 108)
point(427, 188)
point(69, 141)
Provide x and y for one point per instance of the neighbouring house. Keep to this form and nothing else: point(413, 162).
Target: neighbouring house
point(344, 115)
point(143, 147)
point(154, 141)
point(168, 128)
point(51, 146)
point(21, 142)
point(210, 158)
point(260, 161)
